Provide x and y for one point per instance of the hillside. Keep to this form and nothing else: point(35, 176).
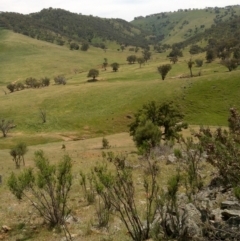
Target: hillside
point(173, 27)
point(61, 27)
point(81, 109)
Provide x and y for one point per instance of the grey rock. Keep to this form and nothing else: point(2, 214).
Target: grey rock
point(230, 213)
point(171, 159)
point(230, 205)
point(191, 222)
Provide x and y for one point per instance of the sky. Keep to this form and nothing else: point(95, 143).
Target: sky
point(124, 9)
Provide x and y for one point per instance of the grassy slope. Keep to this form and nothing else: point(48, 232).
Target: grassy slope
point(174, 31)
point(95, 109)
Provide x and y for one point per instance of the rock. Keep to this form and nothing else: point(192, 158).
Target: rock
point(171, 159)
point(5, 228)
point(71, 219)
point(234, 222)
point(230, 205)
point(216, 215)
point(191, 222)
point(230, 213)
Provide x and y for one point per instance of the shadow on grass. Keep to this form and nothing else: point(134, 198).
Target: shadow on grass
point(92, 80)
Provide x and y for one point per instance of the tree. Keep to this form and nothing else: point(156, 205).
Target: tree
point(146, 54)
point(166, 116)
point(147, 136)
point(122, 47)
point(74, 46)
point(105, 63)
point(85, 46)
point(174, 59)
point(231, 64)
point(47, 188)
point(5, 126)
point(164, 69)
point(190, 64)
point(11, 87)
point(175, 52)
point(18, 152)
point(222, 148)
point(195, 49)
point(210, 55)
point(132, 59)
point(199, 62)
point(93, 73)
point(115, 66)
point(141, 61)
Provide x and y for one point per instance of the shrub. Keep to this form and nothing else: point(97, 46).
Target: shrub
point(11, 87)
point(199, 62)
point(47, 188)
point(33, 83)
point(19, 86)
point(74, 46)
point(117, 191)
point(60, 80)
point(45, 81)
point(85, 46)
point(105, 143)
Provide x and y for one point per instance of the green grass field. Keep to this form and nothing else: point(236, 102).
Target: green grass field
point(85, 109)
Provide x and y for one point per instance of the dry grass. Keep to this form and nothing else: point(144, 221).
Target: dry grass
point(85, 154)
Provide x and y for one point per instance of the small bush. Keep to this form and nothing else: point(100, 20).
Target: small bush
point(105, 143)
point(45, 81)
point(60, 80)
point(199, 62)
point(11, 87)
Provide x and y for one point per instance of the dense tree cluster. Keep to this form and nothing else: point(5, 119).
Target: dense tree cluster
point(57, 26)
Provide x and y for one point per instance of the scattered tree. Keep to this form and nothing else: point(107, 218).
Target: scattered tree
point(175, 52)
point(146, 54)
point(190, 64)
point(18, 153)
point(141, 61)
point(122, 47)
point(174, 59)
point(166, 116)
point(105, 63)
point(132, 59)
point(115, 66)
point(93, 73)
point(5, 126)
point(199, 62)
point(164, 69)
point(85, 46)
point(74, 46)
point(231, 64)
point(11, 87)
point(210, 55)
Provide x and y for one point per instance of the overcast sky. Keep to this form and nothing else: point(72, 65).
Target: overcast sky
point(124, 9)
